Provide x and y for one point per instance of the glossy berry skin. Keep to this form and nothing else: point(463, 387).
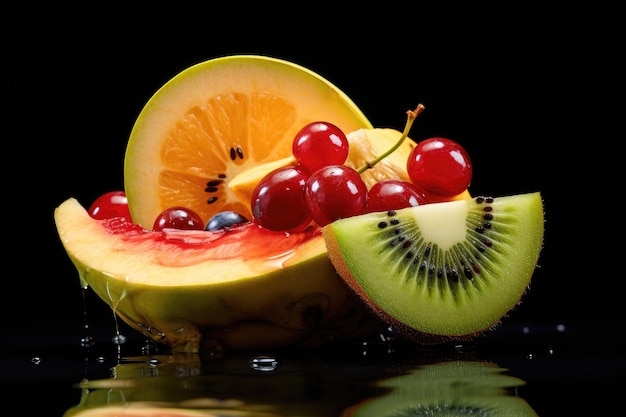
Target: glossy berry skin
point(440, 166)
point(319, 144)
point(177, 217)
point(278, 200)
point(109, 205)
point(224, 220)
point(394, 194)
point(335, 192)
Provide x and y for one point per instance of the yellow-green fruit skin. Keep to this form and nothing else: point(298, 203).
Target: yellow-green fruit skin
point(418, 304)
point(219, 305)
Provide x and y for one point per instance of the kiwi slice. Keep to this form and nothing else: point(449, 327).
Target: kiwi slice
point(445, 271)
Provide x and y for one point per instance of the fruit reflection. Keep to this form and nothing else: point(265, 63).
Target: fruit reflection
point(456, 388)
point(268, 385)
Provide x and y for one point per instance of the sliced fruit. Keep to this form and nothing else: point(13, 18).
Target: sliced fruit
point(442, 271)
point(238, 288)
point(217, 119)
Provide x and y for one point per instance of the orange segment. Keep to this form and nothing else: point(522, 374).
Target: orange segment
point(217, 119)
point(220, 132)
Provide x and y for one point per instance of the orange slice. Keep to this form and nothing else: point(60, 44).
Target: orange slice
point(217, 119)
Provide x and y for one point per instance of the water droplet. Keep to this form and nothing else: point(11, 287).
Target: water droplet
point(263, 363)
point(148, 348)
point(119, 339)
point(100, 359)
point(390, 334)
point(36, 360)
point(87, 341)
point(151, 332)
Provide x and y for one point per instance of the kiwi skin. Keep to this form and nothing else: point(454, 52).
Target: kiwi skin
point(414, 335)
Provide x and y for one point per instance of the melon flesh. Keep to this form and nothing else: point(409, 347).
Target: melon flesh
point(246, 288)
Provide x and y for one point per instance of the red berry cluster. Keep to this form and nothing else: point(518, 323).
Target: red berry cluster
point(320, 188)
point(115, 204)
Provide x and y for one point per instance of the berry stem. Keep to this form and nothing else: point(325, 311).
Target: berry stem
point(411, 116)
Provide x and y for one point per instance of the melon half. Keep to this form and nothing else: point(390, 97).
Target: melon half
point(199, 142)
point(244, 287)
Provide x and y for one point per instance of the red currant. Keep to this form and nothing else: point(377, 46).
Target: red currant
point(111, 204)
point(440, 166)
point(178, 218)
point(334, 192)
point(319, 144)
point(394, 194)
point(278, 200)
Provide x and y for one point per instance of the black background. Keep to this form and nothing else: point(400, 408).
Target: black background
point(528, 89)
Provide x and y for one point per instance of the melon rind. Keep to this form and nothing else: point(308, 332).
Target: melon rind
point(368, 269)
point(229, 304)
point(315, 98)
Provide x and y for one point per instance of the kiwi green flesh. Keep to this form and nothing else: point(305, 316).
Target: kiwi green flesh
point(443, 271)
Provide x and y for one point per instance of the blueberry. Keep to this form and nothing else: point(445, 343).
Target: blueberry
point(224, 219)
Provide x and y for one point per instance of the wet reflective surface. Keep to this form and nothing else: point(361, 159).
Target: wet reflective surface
point(516, 370)
point(521, 84)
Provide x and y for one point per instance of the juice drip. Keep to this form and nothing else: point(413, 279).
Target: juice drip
point(277, 261)
point(95, 356)
point(118, 338)
point(87, 339)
